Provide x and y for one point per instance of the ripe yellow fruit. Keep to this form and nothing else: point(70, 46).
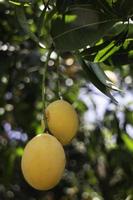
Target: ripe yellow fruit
point(43, 162)
point(62, 120)
point(112, 76)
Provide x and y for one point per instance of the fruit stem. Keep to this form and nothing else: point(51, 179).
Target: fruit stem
point(58, 79)
point(44, 93)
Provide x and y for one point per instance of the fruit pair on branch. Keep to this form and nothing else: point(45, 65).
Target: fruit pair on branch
point(43, 160)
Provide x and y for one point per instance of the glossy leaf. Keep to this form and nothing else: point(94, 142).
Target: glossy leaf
point(103, 51)
point(92, 76)
point(79, 27)
point(106, 52)
point(102, 76)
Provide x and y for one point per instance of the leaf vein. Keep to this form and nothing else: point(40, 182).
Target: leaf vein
point(80, 27)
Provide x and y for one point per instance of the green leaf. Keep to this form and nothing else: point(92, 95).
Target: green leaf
point(102, 76)
point(79, 27)
point(128, 141)
point(16, 3)
point(25, 26)
point(86, 53)
point(124, 55)
point(106, 52)
point(106, 6)
point(124, 8)
point(94, 78)
point(19, 3)
point(80, 106)
point(103, 51)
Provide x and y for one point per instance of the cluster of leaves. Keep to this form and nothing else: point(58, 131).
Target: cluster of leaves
point(93, 30)
point(97, 35)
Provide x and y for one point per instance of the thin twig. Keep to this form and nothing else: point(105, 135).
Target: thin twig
point(43, 14)
point(58, 79)
point(44, 93)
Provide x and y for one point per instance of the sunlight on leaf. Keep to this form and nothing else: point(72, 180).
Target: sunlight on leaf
point(70, 18)
point(128, 141)
point(16, 3)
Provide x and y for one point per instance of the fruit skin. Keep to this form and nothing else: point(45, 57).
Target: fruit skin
point(62, 120)
point(43, 162)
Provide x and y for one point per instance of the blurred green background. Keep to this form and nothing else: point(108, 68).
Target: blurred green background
point(100, 158)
